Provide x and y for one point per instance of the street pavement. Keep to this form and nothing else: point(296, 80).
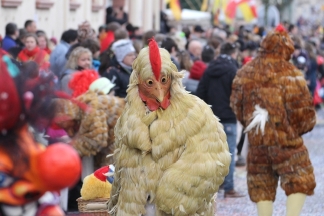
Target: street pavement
point(314, 205)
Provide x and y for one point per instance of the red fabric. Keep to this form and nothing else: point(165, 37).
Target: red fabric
point(197, 70)
point(3, 52)
point(37, 55)
point(81, 81)
point(10, 105)
point(231, 6)
point(106, 41)
point(26, 55)
point(317, 99)
point(99, 173)
point(155, 58)
point(54, 126)
point(320, 60)
point(48, 51)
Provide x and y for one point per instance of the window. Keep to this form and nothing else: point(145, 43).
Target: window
point(10, 3)
point(44, 4)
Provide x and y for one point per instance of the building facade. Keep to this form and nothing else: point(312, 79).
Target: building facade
point(55, 16)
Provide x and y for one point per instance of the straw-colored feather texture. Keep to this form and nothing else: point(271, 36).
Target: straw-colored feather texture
point(271, 99)
point(93, 129)
point(175, 159)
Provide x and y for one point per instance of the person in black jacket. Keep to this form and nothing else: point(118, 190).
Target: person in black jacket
point(120, 66)
point(215, 89)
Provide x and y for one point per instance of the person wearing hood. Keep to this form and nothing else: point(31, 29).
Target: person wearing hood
point(120, 67)
point(215, 88)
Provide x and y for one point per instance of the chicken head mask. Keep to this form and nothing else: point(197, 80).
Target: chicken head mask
point(277, 44)
point(154, 82)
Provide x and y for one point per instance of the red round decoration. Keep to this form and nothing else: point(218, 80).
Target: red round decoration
point(60, 166)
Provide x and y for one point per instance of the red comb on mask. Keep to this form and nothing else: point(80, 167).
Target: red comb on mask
point(155, 58)
point(280, 28)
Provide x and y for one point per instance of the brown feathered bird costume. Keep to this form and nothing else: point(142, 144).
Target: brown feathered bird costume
point(171, 151)
point(271, 100)
point(92, 129)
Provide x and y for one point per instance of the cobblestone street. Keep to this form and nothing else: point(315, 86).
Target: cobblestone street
point(314, 205)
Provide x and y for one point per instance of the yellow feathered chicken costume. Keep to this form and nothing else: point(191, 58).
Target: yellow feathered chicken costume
point(171, 153)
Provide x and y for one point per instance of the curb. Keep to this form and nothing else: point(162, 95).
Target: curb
point(320, 122)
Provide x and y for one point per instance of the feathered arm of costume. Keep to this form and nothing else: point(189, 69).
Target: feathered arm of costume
point(236, 100)
point(298, 103)
point(89, 126)
point(92, 135)
point(188, 186)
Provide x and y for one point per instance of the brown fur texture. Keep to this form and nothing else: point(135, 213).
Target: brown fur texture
point(92, 130)
point(174, 159)
point(278, 87)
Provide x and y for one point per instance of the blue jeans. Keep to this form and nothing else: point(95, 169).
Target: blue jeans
point(230, 130)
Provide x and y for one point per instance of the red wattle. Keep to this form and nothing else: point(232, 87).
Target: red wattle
point(153, 105)
point(166, 101)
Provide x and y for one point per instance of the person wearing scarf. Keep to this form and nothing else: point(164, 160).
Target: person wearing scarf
point(32, 52)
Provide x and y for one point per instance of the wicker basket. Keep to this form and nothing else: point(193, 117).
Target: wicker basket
point(83, 209)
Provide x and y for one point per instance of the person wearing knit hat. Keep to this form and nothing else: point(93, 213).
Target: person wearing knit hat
point(121, 49)
point(271, 99)
point(120, 66)
point(197, 70)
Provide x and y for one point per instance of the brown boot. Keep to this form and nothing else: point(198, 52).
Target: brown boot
point(233, 194)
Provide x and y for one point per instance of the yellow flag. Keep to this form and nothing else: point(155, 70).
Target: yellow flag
point(246, 11)
point(204, 5)
point(176, 9)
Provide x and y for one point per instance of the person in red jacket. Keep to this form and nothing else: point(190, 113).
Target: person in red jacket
point(108, 38)
point(32, 52)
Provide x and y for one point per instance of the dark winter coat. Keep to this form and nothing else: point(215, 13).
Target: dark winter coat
point(215, 87)
point(119, 76)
